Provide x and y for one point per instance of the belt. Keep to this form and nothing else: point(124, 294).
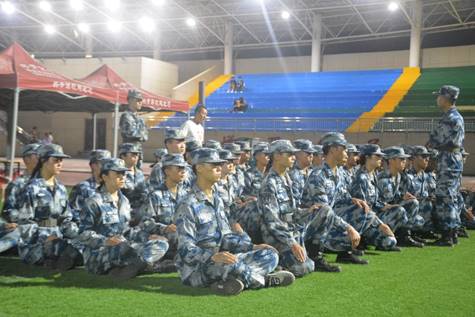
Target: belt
point(48, 222)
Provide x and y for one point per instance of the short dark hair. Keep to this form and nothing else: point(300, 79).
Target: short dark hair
point(199, 108)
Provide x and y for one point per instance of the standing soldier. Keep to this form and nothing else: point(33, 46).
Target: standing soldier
point(209, 253)
point(8, 231)
point(448, 137)
point(132, 127)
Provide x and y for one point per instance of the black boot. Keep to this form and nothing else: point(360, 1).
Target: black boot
point(462, 233)
point(446, 240)
point(430, 235)
point(68, 259)
point(321, 265)
point(348, 257)
point(404, 239)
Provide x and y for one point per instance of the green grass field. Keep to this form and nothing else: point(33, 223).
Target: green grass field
point(417, 282)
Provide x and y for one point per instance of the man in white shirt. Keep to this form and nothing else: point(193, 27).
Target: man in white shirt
point(193, 129)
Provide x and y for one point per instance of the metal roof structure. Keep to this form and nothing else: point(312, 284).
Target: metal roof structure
point(190, 26)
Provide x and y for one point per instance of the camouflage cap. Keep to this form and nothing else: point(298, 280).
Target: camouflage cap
point(98, 155)
point(261, 148)
point(282, 146)
point(159, 153)
point(134, 94)
point(304, 145)
point(371, 149)
point(318, 149)
point(174, 134)
point(192, 145)
point(434, 154)
point(448, 91)
point(408, 149)
point(245, 145)
point(113, 164)
point(29, 149)
point(51, 150)
point(333, 138)
point(206, 155)
point(227, 155)
point(213, 144)
point(351, 148)
point(233, 147)
point(395, 152)
point(419, 150)
point(129, 148)
point(173, 160)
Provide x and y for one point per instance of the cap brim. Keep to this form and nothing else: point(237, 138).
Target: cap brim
point(179, 165)
point(60, 155)
point(120, 169)
point(213, 162)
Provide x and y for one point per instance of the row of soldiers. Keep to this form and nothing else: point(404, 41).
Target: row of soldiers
point(232, 216)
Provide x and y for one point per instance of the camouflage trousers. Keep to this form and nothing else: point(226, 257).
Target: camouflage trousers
point(251, 268)
point(427, 211)
point(447, 214)
point(414, 220)
point(104, 258)
point(33, 247)
point(395, 217)
point(9, 240)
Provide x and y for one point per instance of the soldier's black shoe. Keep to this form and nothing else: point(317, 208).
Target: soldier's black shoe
point(408, 241)
point(429, 235)
point(455, 237)
point(280, 278)
point(348, 257)
point(391, 249)
point(229, 287)
point(68, 259)
point(50, 264)
point(444, 241)
point(418, 239)
point(166, 266)
point(127, 272)
point(321, 265)
point(462, 233)
point(358, 252)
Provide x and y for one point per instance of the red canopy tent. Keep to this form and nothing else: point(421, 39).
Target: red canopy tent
point(106, 77)
point(44, 90)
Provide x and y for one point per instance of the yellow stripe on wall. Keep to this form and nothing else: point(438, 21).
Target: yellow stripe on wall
point(155, 118)
point(388, 102)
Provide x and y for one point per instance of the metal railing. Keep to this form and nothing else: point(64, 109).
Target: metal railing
point(279, 124)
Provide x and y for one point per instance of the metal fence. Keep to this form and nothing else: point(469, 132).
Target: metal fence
point(271, 124)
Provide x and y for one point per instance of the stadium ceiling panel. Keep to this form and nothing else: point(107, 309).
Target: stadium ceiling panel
point(102, 28)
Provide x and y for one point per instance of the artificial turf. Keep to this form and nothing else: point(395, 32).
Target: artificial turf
point(416, 282)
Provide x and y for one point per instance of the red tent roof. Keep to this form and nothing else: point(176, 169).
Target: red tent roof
point(106, 77)
point(19, 70)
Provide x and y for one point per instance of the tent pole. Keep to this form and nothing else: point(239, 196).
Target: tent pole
point(116, 128)
point(16, 99)
point(94, 131)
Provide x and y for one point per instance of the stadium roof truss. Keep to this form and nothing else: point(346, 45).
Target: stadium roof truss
point(256, 24)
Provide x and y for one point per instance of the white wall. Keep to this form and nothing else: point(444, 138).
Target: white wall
point(156, 76)
point(431, 57)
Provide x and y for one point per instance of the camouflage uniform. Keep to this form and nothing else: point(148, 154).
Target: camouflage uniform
point(134, 189)
point(44, 211)
point(132, 127)
point(253, 177)
point(102, 219)
point(13, 197)
point(448, 137)
point(203, 230)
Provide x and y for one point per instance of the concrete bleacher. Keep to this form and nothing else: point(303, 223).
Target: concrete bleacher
point(306, 95)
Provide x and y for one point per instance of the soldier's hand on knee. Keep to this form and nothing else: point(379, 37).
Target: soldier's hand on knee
point(236, 227)
point(224, 257)
point(299, 253)
point(170, 228)
point(264, 246)
point(408, 196)
point(361, 204)
point(354, 237)
point(10, 226)
point(384, 228)
point(156, 237)
point(112, 241)
point(314, 207)
point(51, 238)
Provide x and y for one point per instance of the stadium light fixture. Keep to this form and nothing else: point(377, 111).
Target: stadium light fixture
point(191, 22)
point(49, 29)
point(8, 7)
point(147, 24)
point(84, 27)
point(76, 4)
point(393, 6)
point(285, 15)
point(45, 6)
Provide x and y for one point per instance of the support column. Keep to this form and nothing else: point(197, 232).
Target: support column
point(16, 100)
point(157, 39)
point(228, 48)
point(94, 131)
point(116, 129)
point(316, 65)
point(416, 30)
